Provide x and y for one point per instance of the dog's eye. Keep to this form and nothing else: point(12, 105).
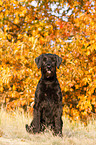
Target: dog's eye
point(53, 59)
point(44, 59)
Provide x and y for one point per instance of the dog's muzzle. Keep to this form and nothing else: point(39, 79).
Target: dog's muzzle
point(48, 70)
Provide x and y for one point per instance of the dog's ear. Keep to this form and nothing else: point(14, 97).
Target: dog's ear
point(58, 61)
point(38, 61)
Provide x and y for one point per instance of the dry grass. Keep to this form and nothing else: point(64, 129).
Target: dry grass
point(12, 132)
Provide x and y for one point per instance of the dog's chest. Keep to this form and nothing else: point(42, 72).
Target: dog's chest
point(49, 93)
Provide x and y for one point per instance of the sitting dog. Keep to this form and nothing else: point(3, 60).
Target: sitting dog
point(47, 110)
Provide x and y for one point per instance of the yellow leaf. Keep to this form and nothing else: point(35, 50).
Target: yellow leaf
point(16, 21)
point(1, 89)
point(77, 86)
point(66, 89)
point(7, 100)
point(88, 53)
point(32, 39)
point(23, 102)
point(14, 87)
point(23, 13)
point(1, 2)
point(20, 109)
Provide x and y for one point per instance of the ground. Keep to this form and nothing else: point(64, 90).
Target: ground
point(12, 132)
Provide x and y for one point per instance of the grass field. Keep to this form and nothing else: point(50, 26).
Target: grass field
point(12, 132)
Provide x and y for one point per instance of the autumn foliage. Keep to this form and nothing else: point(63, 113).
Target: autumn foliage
point(66, 28)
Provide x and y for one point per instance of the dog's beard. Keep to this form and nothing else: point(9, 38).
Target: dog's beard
point(48, 73)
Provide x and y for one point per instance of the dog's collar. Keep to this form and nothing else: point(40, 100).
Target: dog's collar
point(48, 82)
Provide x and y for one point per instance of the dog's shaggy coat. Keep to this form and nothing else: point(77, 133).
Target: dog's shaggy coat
point(47, 110)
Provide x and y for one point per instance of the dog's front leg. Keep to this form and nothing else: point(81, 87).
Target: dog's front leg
point(36, 121)
point(58, 122)
point(35, 124)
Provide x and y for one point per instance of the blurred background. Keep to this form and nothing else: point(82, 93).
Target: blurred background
point(63, 27)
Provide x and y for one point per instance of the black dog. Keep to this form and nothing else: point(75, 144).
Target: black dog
point(47, 110)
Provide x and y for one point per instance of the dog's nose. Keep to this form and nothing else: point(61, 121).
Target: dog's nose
point(49, 65)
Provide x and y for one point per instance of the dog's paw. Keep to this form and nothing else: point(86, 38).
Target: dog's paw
point(28, 128)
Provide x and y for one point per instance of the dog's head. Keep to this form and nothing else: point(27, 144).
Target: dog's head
point(48, 63)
